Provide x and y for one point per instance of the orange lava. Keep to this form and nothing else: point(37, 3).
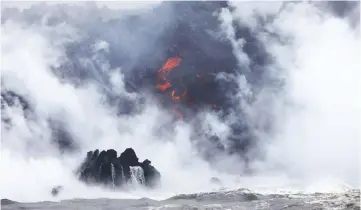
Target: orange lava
point(164, 87)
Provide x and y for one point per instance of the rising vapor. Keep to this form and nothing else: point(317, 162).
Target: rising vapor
point(250, 93)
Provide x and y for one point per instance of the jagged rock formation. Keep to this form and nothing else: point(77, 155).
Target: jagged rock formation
point(106, 168)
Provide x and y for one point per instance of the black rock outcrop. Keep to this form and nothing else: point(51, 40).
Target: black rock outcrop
point(107, 169)
point(56, 190)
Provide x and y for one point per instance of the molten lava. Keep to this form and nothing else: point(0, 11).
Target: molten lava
point(178, 97)
point(164, 87)
point(175, 93)
point(164, 83)
point(163, 72)
point(174, 97)
point(170, 64)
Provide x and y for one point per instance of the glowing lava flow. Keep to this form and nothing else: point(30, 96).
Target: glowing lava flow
point(165, 84)
point(169, 65)
point(164, 87)
point(163, 72)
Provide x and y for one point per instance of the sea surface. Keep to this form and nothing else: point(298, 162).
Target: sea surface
point(234, 199)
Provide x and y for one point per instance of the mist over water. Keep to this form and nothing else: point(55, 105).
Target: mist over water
point(318, 128)
point(312, 145)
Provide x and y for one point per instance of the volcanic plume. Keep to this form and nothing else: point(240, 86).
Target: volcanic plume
point(199, 88)
point(186, 62)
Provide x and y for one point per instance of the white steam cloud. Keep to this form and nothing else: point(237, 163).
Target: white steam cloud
point(317, 124)
point(31, 165)
point(318, 118)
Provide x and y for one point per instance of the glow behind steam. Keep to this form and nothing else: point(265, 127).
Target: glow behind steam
point(317, 134)
point(31, 165)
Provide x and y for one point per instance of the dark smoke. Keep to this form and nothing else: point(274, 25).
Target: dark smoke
point(138, 45)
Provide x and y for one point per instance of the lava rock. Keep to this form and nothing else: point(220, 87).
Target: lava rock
point(151, 174)
point(55, 191)
point(7, 202)
point(107, 169)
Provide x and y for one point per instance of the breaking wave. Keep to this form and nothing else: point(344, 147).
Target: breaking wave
point(263, 96)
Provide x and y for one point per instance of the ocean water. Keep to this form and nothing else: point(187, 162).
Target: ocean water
point(238, 199)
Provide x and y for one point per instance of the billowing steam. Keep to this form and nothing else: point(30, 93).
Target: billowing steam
point(251, 93)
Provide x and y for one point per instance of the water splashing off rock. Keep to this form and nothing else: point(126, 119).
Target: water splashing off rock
point(107, 169)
